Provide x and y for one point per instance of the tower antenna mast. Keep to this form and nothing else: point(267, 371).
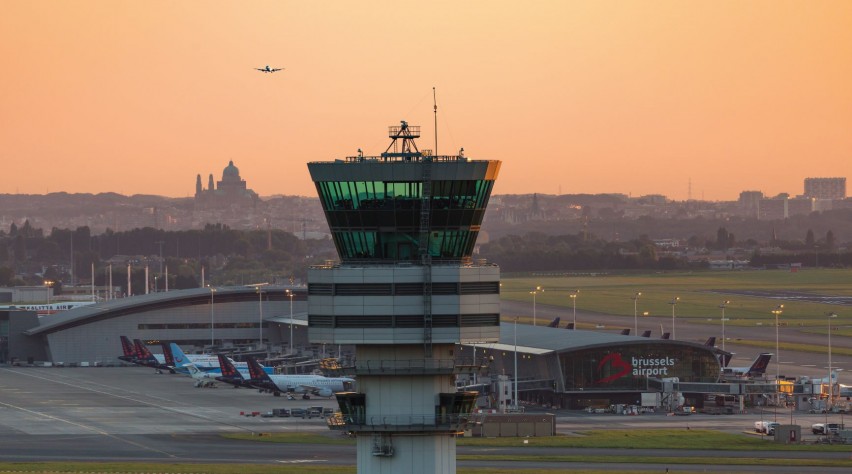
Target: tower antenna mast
point(435, 106)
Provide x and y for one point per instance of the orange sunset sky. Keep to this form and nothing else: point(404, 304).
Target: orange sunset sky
point(633, 97)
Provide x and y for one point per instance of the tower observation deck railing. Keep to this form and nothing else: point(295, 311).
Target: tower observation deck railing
point(375, 263)
point(399, 423)
point(397, 158)
point(412, 367)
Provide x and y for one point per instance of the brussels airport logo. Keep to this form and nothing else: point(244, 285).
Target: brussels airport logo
point(637, 367)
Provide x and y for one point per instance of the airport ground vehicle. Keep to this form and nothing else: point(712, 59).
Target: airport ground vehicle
point(766, 427)
point(826, 428)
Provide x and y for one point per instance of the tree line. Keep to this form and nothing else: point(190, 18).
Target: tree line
point(28, 256)
point(536, 251)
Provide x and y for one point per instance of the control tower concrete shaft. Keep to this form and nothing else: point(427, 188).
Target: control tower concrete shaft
point(405, 291)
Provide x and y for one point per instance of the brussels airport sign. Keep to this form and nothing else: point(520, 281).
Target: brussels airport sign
point(636, 366)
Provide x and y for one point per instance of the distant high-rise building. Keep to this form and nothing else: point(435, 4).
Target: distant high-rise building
point(749, 202)
point(773, 209)
point(825, 188)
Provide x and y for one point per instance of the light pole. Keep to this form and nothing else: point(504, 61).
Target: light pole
point(635, 314)
point(777, 312)
point(260, 312)
point(673, 302)
point(516, 365)
point(830, 381)
point(212, 339)
point(574, 304)
point(535, 292)
point(49, 285)
point(723, 306)
point(290, 294)
point(258, 287)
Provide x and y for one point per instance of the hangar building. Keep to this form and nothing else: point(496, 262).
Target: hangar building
point(224, 317)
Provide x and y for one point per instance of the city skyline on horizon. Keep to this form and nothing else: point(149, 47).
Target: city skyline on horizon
point(696, 100)
point(791, 194)
point(213, 178)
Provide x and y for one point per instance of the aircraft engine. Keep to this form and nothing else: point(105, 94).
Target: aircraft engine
point(325, 392)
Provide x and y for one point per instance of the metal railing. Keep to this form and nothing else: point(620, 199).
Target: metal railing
point(449, 423)
point(413, 366)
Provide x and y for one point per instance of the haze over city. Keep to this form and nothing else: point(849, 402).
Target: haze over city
point(574, 97)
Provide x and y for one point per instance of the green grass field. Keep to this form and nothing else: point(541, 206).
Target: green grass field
point(639, 440)
point(700, 295)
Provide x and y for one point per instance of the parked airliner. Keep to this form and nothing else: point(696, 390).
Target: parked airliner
point(306, 385)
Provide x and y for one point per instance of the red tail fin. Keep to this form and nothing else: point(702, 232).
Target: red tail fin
point(142, 351)
point(255, 370)
point(167, 354)
point(127, 347)
point(760, 364)
point(228, 369)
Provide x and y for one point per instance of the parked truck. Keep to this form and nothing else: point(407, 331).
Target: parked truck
point(826, 428)
point(765, 427)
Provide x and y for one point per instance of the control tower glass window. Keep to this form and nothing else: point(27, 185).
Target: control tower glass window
point(380, 220)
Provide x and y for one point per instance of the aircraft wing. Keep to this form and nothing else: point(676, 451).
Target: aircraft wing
point(273, 70)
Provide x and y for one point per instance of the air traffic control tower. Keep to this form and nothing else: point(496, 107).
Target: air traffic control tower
point(405, 292)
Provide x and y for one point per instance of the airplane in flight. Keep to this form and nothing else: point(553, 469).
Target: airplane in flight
point(306, 384)
point(756, 369)
point(268, 69)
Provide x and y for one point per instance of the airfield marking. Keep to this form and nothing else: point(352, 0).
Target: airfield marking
point(143, 402)
point(85, 427)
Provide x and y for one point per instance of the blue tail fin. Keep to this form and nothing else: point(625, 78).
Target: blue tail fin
point(180, 358)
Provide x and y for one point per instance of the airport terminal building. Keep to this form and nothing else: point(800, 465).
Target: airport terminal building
point(557, 367)
point(199, 318)
point(568, 368)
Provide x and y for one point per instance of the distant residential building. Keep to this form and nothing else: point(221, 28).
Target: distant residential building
point(653, 199)
point(799, 205)
point(749, 203)
point(772, 209)
point(825, 188)
point(667, 243)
